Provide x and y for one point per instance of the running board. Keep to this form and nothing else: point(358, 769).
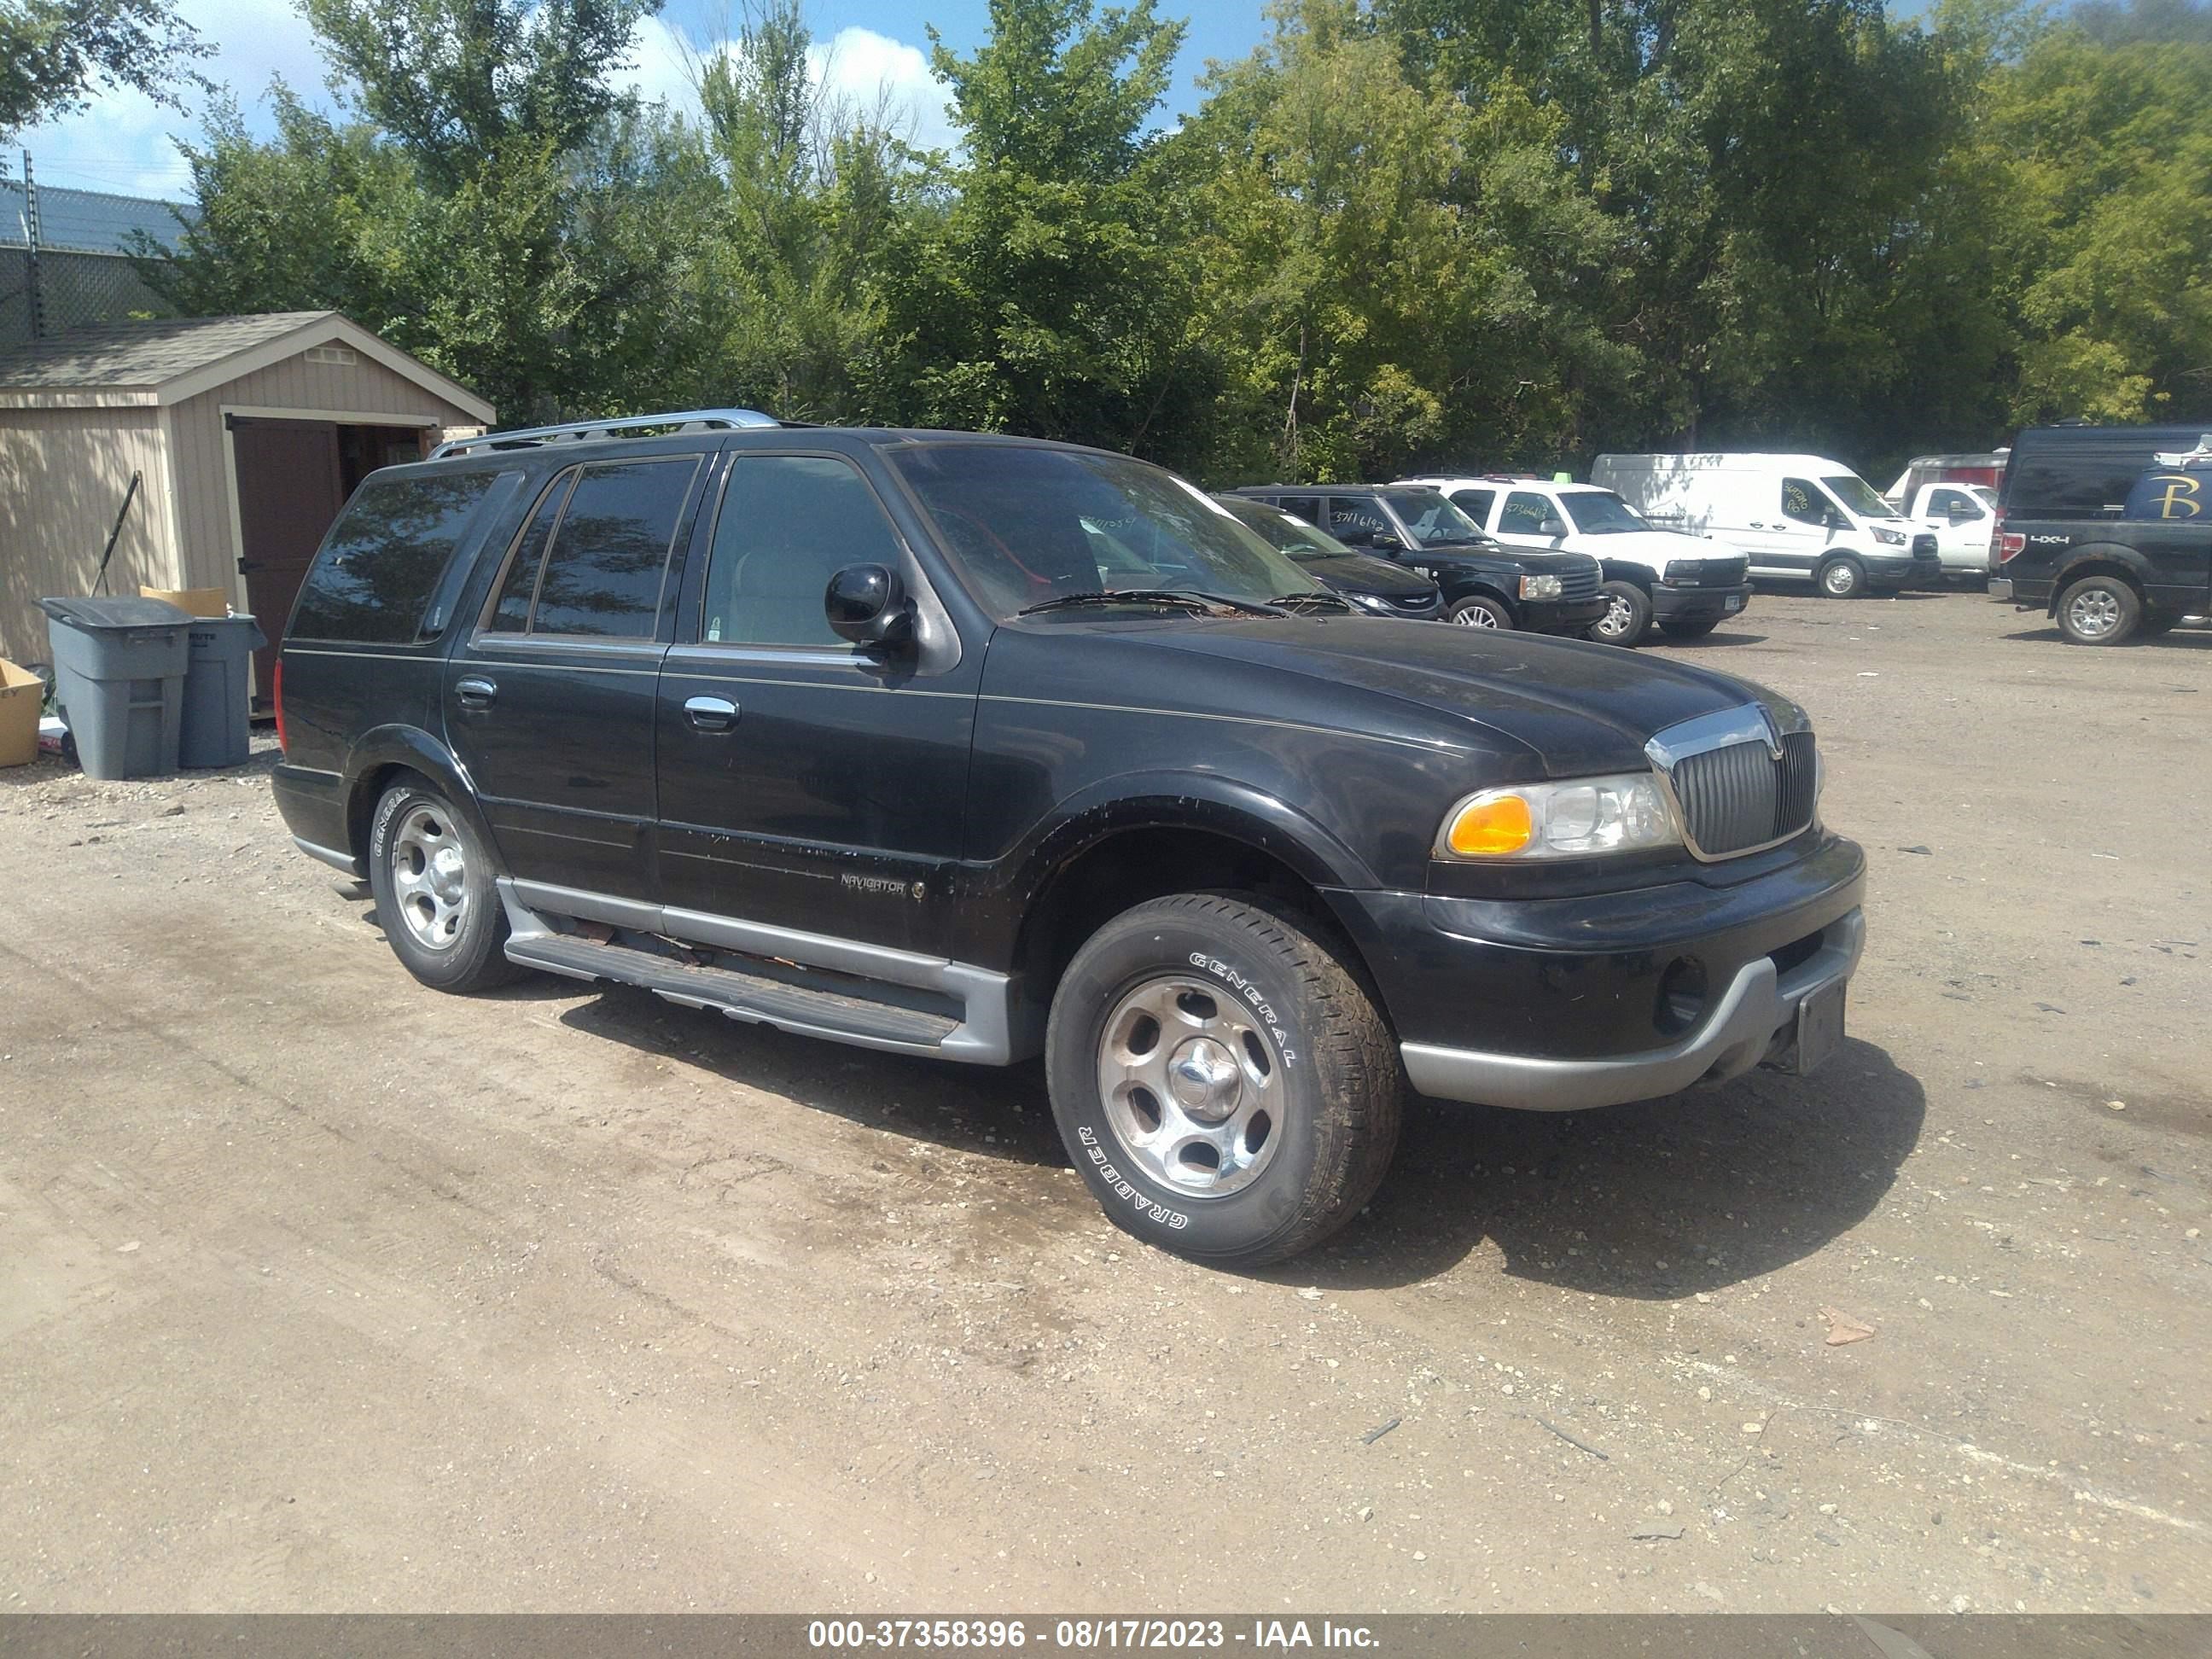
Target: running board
point(805, 1010)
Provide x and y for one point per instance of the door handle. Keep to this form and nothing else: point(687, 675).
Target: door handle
point(711, 714)
point(475, 692)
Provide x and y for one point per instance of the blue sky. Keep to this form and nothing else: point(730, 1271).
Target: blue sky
point(864, 47)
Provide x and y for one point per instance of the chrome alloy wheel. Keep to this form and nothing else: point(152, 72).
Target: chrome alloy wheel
point(1191, 1085)
point(1839, 580)
point(2093, 613)
point(429, 876)
point(1475, 615)
point(1620, 616)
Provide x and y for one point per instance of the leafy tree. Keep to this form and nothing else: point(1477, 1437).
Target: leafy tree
point(53, 53)
point(1041, 289)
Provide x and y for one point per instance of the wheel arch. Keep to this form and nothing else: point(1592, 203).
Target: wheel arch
point(385, 752)
point(1186, 833)
point(2099, 559)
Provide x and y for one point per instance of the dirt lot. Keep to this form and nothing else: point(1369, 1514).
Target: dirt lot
point(320, 1291)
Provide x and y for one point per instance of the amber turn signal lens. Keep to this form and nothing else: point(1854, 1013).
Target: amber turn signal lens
point(1487, 828)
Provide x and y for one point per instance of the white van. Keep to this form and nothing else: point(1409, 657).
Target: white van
point(1799, 517)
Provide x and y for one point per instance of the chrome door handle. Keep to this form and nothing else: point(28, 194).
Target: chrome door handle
point(711, 714)
point(475, 692)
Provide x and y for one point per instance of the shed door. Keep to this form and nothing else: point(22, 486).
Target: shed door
point(289, 489)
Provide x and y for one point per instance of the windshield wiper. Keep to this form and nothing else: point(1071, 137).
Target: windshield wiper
point(1296, 602)
point(1198, 602)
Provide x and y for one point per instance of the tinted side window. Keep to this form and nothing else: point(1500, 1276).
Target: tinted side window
point(788, 523)
point(1304, 506)
point(1524, 514)
point(383, 558)
point(603, 575)
point(516, 593)
point(1475, 503)
point(1356, 518)
point(1801, 501)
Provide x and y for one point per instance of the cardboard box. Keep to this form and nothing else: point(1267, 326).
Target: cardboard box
point(197, 601)
point(22, 692)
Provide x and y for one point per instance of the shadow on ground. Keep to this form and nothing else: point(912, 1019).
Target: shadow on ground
point(1653, 1201)
point(2180, 639)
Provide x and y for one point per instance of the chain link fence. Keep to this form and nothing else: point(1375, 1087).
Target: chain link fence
point(73, 290)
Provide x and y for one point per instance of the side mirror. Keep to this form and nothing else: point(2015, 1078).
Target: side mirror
point(867, 605)
point(1383, 542)
point(1552, 526)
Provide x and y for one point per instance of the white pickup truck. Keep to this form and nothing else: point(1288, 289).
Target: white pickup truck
point(1962, 516)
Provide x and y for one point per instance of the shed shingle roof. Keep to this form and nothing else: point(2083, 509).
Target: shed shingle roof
point(143, 353)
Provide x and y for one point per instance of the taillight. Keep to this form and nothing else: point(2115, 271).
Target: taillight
point(276, 701)
point(2003, 546)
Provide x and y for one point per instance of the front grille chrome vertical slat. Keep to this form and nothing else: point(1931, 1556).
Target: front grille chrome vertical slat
point(1735, 792)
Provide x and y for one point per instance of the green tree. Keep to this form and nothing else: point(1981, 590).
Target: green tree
point(1040, 286)
point(54, 54)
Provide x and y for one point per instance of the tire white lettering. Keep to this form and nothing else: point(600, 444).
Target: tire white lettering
point(1174, 1221)
point(1252, 994)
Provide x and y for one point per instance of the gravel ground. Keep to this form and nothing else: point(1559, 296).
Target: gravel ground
point(320, 1291)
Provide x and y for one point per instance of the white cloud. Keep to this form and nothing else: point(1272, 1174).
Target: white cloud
point(872, 70)
point(122, 143)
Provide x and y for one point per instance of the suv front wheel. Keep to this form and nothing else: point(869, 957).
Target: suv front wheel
point(435, 898)
point(1224, 1085)
point(1627, 617)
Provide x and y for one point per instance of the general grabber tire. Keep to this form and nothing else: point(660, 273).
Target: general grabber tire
point(432, 878)
point(1222, 1080)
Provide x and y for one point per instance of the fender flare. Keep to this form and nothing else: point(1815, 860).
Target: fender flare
point(1623, 570)
point(411, 747)
point(2074, 558)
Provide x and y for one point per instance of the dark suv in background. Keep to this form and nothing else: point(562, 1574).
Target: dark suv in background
point(1375, 586)
point(1485, 585)
point(2107, 529)
point(977, 748)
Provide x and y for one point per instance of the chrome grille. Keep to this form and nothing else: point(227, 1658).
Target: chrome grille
point(1739, 797)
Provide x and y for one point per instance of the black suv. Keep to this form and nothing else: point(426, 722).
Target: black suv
point(1485, 585)
point(979, 748)
point(1375, 586)
point(2107, 529)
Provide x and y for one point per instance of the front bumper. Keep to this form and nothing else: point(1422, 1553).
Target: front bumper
point(1754, 1018)
point(1903, 570)
point(1668, 602)
point(1559, 1004)
point(1561, 616)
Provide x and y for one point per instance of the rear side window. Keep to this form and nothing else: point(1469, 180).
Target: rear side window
point(382, 560)
point(1302, 506)
point(591, 558)
point(1475, 503)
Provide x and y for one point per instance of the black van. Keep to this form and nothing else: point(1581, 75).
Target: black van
point(2107, 529)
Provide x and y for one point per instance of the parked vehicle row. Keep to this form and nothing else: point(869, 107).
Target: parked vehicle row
point(978, 748)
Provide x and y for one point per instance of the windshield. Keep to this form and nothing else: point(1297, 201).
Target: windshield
point(1600, 513)
point(1025, 527)
point(1285, 533)
point(1858, 495)
point(1434, 521)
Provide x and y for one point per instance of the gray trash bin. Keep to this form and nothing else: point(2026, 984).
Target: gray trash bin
point(119, 678)
point(218, 731)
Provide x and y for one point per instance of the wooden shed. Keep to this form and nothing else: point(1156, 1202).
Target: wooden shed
point(245, 435)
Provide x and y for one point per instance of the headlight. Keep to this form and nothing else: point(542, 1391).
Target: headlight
point(1572, 819)
point(1374, 602)
point(1889, 537)
point(1539, 588)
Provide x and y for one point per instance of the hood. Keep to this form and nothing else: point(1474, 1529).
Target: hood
point(1580, 708)
point(1358, 573)
point(1658, 546)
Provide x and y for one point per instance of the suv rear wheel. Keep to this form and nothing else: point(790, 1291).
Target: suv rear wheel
point(2098, 610)
point(435, 898)
point(1222, 1083)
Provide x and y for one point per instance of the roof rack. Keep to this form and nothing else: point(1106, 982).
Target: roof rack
point(685, 420)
